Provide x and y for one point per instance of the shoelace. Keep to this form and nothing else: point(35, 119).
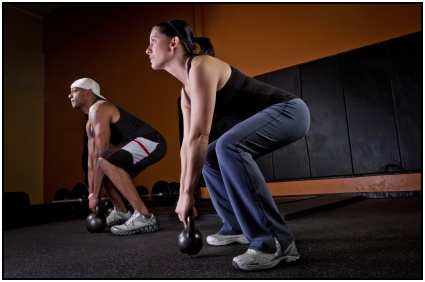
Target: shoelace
point(113, 214)
point(133, 217)
point(117, 214)
point(251, 251)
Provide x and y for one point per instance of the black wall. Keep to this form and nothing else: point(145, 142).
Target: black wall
point(366, 113)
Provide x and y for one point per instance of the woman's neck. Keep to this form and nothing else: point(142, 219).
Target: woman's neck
point(178, 69)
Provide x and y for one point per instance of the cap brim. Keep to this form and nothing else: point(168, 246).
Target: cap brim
point(100, 96)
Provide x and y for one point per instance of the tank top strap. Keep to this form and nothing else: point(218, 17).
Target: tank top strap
point(189, 65)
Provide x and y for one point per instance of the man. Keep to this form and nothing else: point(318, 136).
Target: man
point(135, 146)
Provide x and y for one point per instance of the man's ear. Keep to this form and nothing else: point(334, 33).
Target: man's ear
point(89, 91)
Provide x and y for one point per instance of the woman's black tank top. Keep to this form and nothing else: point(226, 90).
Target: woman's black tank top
point(244, 96)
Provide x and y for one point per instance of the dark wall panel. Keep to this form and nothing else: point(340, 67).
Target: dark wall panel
point(328, 143)
point(287, 79)
point(265, 163)
point(370, 111)
point(290, 162)
point(405, 65)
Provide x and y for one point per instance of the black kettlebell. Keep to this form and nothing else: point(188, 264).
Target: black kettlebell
point(96, 221)
point(190, 239)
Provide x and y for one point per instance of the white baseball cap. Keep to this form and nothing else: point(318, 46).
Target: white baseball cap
point(88, 83)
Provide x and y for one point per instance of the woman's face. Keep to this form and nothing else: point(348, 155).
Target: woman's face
point(159, 49)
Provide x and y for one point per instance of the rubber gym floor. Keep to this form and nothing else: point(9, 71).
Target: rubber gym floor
point(338, 237)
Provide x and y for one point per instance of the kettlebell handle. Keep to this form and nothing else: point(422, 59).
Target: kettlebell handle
point(97, 211)
point(190, 226)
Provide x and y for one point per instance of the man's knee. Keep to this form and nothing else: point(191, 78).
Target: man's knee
point(108, 167)
point(104, 164)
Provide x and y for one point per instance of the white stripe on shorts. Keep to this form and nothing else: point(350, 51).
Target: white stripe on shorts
point(140, 148)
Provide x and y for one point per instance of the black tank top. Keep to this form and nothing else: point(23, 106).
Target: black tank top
point(244, 96)
point(129, 127)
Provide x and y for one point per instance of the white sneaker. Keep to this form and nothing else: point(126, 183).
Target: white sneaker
point(138, 223)
point(254, 260)
point(221, 240)
point(117, 217)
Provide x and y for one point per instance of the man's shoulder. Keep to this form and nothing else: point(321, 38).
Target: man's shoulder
point(103, 107)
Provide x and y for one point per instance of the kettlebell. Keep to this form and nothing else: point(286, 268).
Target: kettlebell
point(96, 221)
point(190, 239)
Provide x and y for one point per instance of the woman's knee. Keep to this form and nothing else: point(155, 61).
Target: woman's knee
point(224, 141)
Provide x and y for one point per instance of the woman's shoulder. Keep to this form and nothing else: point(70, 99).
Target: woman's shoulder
point(208, 62)
point(211, 70)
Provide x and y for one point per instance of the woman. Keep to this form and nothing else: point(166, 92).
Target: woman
point(270, 119)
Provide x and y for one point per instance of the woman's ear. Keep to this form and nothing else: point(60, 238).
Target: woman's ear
point(174, 42)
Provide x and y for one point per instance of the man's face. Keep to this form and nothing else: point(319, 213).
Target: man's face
point(77, 97)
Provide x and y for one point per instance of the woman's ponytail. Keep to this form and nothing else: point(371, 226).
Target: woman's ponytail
point(203, 46)
point(192, 45)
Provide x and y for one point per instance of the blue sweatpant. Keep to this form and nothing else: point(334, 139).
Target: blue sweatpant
point(235, 183)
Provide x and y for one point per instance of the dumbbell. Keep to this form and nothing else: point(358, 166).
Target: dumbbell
point(161, 194)
point(79, 208)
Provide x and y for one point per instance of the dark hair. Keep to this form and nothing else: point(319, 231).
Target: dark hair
point(184, 32)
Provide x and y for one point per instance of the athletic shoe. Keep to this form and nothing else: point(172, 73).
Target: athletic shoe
point(138, 223)
point(221, 240)
point(254, 260)
point(117, 217)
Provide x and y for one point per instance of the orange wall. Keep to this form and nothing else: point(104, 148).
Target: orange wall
point(256, 38)
point(259, 38)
